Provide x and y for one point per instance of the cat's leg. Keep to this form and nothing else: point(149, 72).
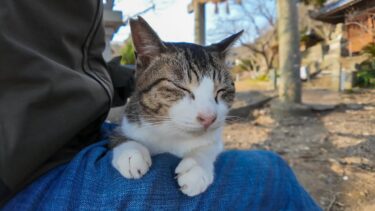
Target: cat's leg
point(196, 170)
point(131, 159)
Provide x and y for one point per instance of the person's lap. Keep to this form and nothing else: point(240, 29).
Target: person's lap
point(244, 180)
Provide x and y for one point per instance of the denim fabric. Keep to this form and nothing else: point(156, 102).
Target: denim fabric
point(244, 180)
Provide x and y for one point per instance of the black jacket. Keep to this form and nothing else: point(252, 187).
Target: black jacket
point(55, 90)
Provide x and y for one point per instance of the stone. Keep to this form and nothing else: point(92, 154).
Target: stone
point(321, 107)
point(353, 106)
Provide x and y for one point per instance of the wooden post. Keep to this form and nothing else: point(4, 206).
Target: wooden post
point(289, 53)
point(200, 23)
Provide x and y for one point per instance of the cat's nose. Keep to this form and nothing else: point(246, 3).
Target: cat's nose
point(206, 119)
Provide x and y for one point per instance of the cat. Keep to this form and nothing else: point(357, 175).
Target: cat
point(183, 92)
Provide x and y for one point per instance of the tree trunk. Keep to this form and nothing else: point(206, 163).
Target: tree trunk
point(200, 21)
point(289, 54)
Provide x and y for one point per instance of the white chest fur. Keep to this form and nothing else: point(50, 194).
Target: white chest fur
point(162, 138)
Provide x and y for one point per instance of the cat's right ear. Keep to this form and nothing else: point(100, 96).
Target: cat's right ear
point(146, 42)
point(223, 46)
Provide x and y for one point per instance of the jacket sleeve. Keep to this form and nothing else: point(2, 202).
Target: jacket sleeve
point(123, 81)
point(55, 90)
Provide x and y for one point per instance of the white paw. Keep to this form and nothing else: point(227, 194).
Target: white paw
point(132, 160)
point(193, 178)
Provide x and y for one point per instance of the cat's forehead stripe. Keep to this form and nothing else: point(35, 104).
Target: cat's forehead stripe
point(201, 63)
point(192, 67)
point(194, 53)
point(188, 72)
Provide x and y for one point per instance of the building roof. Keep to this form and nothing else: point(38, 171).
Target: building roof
point(334, 12)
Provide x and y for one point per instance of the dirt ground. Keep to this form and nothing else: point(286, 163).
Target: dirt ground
point(332, 150)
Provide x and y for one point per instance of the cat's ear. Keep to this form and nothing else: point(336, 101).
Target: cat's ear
point(146, 42)
point(223, 46)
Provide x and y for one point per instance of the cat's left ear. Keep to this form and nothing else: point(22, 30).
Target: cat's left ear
point(146, 42)
point(223, 46)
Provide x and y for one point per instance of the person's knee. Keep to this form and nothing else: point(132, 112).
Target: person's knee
point(261, 160)
point(252, 155)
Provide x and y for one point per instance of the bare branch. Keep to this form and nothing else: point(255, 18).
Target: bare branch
point(257, 17)
point(152, 7)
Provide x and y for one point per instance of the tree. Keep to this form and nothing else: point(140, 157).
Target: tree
point(289, 54)
point(258, 19)
point(264, 31)
point(199, 9)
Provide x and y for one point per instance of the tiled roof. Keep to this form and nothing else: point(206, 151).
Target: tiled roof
point(333, 11)
point(338, 5)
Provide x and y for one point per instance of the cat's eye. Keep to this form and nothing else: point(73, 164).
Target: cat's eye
point(192, 96)
point(217, 94)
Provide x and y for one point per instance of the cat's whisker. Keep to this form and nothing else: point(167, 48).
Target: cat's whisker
point(233, 119)
point(143, 115)
point(187, 126)
point(151, 124)
point(186, 123)
point(156, 124)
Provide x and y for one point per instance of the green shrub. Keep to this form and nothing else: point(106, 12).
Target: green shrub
point(369, 50)
point(127, 53)
point(366, 72)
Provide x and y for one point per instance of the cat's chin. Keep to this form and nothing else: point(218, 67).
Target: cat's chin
point(196, 132)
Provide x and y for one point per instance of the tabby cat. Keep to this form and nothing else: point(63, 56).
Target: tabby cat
point(182, 94)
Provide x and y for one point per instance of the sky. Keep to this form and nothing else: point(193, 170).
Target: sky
point(170, 18)
point(173, 23)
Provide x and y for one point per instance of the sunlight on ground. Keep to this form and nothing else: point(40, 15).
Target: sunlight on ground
point(344, 142)
point(252, 84)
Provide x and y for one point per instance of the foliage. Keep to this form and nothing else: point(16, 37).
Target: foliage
point(370, 51)
point(127, 53)
point(263, 77)
point(246, 64)
point(304, 38)
point(366, 73)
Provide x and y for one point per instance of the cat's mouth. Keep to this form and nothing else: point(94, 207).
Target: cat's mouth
point(198, 130)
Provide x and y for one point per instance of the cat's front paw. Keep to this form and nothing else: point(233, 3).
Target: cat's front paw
point(132, 160)
point(192, 177)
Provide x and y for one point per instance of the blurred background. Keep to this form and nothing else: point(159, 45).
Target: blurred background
point(304, 72)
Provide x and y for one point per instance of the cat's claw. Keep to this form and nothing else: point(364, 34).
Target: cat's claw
point(192, 178)
point(131, 162)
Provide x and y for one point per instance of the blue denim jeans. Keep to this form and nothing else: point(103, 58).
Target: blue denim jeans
point(244, 180)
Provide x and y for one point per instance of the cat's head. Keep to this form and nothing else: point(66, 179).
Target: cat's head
point(184, 85)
